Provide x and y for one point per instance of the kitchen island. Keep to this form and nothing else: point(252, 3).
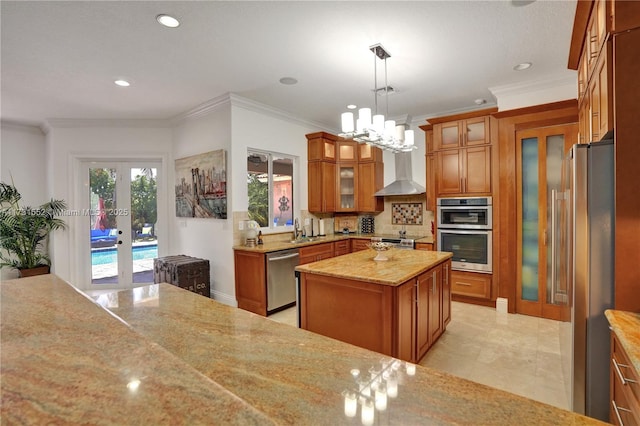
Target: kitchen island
point(398, 307)
point(163, 355)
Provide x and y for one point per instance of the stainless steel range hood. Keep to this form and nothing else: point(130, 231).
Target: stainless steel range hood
point(404, 184)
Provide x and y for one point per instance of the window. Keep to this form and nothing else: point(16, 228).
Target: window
point(270, 188)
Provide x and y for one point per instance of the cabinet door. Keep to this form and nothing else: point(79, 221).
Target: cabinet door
point(471, 284)
point(604, 88)
point(431, 182)
point(424, 283)
point(477, 170)
point(475, 131)
point(358, 244)
point(347, 150)
point(406, 324)
point(251, 281)
point(446, 135)
point(369, 153)
point(370, 180)
point(449, 168)
point(446, 294)
point(321, 186)
point(435, 305)
point(347, 184)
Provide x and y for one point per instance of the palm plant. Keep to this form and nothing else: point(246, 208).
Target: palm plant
point(24, 231)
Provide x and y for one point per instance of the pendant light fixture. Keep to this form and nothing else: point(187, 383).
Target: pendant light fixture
point(376, 130)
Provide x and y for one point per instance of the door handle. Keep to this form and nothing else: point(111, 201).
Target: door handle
point(289, 256)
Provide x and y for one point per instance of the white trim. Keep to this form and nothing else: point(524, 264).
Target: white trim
point(534, 85)
point(202, 109)
point(81, 122)
point(224, 298)
point(34, 128)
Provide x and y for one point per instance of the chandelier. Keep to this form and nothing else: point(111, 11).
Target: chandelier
point(375, 130)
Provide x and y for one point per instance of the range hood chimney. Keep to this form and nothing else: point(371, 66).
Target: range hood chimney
point(404, 184)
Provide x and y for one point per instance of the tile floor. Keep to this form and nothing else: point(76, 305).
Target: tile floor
point(515, 353)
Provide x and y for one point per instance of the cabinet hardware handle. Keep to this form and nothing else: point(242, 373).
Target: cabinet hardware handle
point(623, 379)
point(465, 284)
point(617, 411)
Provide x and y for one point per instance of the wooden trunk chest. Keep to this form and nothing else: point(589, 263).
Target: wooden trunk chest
point(183, 271)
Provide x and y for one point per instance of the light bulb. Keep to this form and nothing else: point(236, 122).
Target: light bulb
point(378, 123)
point(350, 404)
point(368, 413)
point(389, 128)
point(381, 398)
point(347, 122)
point(364, 114)
point(408, 141)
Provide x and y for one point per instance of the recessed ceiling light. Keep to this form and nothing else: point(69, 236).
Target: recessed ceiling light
point(168, 21)
point(352, 106)
point(522, 66)
point(122, 83)
point(288, 81)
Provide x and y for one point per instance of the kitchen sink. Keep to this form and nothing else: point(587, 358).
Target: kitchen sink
point(303, 240)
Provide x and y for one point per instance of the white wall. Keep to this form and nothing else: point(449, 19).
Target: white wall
point(66, 146)
point(209, 239)
point(23, 152)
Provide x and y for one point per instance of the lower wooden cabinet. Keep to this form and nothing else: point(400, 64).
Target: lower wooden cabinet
point(358, 244)
point(315, 252)
point(424, 246)
point(341, 247)
point(251, 281)
point(624, 387)
point(471, 284)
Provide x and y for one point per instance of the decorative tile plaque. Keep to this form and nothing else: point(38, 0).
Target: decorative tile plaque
point(406, 213)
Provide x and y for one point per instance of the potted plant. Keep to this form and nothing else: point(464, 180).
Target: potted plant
point(24, 232)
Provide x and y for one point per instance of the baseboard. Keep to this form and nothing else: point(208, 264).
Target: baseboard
point(224, 298)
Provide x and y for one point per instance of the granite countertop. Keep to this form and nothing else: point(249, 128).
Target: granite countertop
point(297, 377)
point(68, 360)
point(272, 246)
point(401, 266)
point(65, 360)
point(627, 327)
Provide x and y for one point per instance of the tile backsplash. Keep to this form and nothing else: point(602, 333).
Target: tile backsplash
point(406, 213)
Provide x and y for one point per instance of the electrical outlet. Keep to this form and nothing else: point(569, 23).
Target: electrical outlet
point(241, 225)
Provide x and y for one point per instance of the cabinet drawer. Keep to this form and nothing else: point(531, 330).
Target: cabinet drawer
point(424, 246)
point(341, 247)
point(471, 284)
point(625, 386)
point(358, 244)
point(315, 252)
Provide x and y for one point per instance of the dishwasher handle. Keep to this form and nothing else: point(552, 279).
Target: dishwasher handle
point(289, 256)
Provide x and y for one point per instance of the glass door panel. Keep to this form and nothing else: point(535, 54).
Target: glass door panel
point(530, 221)
point(347, 185)
point(122, 220)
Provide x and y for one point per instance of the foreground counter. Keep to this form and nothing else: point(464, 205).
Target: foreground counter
point(163, 355)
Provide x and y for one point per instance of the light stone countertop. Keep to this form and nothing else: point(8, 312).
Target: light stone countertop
point(401, 266)
point(66, 360)
point(272, 246)
point(627, 328)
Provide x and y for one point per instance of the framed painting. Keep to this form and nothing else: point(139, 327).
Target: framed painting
point(201, 185)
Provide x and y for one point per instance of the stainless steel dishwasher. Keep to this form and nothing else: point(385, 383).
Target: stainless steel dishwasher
point(281, 279)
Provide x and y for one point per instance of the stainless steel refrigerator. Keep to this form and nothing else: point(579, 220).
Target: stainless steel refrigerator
point(587, 249)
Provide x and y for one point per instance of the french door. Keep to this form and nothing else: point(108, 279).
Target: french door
point(119, 223)
point(539, 155)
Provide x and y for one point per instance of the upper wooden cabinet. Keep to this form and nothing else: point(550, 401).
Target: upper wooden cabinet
point(461, 133)
point(465, 171)
point(343, 176)
point(321, 172)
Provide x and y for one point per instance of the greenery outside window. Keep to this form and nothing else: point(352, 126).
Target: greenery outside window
point(270, 188)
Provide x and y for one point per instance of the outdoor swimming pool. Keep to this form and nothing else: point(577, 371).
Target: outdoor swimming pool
point(106, 256)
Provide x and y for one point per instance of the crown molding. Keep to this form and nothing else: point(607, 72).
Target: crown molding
point(251, 105)
point(534, 85)
point(421, 119)
point(203, 109)
point(60, 123)
point(35, 128)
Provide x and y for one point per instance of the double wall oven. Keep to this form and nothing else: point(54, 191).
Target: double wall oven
point(464, 228)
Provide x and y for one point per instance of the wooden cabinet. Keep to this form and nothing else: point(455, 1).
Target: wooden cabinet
point(358, 244)
point(321, 172)
point(624, 387)
point(321, 191)
point(424, 246)
point(465, 171)
point(431, 170)
point(471, 284)
point(251, 281)
point(341, 247)
point(430, 303)
point(347, 184)
point(334, 170)
point(315, 252)
point(370, 180)
point(461, 133)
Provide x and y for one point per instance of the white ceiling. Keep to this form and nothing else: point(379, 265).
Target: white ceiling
point(59, 59)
